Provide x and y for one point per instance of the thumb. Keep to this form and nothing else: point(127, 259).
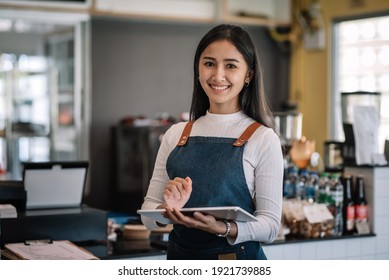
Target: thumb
point(189, 187)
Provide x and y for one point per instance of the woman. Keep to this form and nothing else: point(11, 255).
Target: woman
point(205, 162)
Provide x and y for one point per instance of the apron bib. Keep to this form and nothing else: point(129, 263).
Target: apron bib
point(215, 165)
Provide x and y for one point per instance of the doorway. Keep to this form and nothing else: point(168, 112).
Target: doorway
point(44, 88)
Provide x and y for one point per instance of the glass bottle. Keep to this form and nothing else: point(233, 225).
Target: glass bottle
point(348, 205)
point(321, 194)
point(303, 181)
point(336, 206)
point(286, 184)
point(360, 201)
point(312, 187)
point(291, 183)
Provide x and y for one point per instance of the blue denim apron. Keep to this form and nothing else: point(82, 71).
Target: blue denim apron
point(215, 165)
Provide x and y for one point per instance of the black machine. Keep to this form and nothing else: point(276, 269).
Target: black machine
point(135, 149)
point(349, 100)
point(13, 192)
point(47, 215)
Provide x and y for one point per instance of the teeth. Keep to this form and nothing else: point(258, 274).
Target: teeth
point(219, 87)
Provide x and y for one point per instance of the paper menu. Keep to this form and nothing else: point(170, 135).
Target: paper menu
point(55, 250)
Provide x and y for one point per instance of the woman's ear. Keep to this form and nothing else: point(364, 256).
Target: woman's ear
point(249, 77)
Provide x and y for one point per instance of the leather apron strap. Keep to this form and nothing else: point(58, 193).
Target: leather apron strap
point(185, 134)
point(246, 134)
point(239, 142)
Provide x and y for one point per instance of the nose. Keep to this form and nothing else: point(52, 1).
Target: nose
point(219, 74)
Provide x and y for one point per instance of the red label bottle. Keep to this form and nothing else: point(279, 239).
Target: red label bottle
point(348, 205)
point(361, 214)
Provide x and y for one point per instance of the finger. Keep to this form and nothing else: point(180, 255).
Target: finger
point(168, 195)
point(180, 183)
point(165, 206)
point(175, 191)
point(185, 184)
point(188, 221)
point(204, 219)
point(170, 213)
point(188, 185)
point(199, 216)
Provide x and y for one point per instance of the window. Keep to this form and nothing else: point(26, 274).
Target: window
point(361, 63)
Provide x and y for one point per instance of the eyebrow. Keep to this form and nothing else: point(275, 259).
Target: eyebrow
point(227, 59)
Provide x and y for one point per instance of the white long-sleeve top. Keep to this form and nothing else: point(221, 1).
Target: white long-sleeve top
point(263, 169)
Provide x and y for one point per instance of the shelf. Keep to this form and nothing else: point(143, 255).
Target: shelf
point(26, 73)
point(22, 129)
point(267, 12)
point(256, 12)
point(167, 10)
point(305, 240)
point(249, 20)
point(55, 6)
point(150, 17)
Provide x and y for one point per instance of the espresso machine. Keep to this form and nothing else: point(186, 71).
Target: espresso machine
point(288, 127)
point(348, 101)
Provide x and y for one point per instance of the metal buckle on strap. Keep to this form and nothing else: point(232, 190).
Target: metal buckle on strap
point(246, 134)
point(185, 134)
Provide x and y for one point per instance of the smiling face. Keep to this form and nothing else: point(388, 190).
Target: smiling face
point(223, 73)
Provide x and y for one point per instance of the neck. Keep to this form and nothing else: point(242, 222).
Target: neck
point(221, 110)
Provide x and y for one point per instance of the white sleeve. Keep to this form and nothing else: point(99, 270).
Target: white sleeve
point(154, 196)
point(268, 177)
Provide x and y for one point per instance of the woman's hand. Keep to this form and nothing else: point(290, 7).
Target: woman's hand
point(200, 221)
point(177, 192)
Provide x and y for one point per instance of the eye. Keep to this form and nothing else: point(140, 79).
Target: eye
point(209, 63)
point(231, 66)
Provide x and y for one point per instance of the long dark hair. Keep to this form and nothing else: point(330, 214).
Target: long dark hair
point(252, 99)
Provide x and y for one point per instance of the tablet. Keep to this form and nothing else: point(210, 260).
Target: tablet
point(232, 213)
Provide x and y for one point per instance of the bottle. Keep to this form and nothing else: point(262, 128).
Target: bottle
point(312, 187)
point(303, 181)
point(286, 184)
point(360, 201)
point(336, 206)
point(323, 188)
point(290, 187)
point(348, 205)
